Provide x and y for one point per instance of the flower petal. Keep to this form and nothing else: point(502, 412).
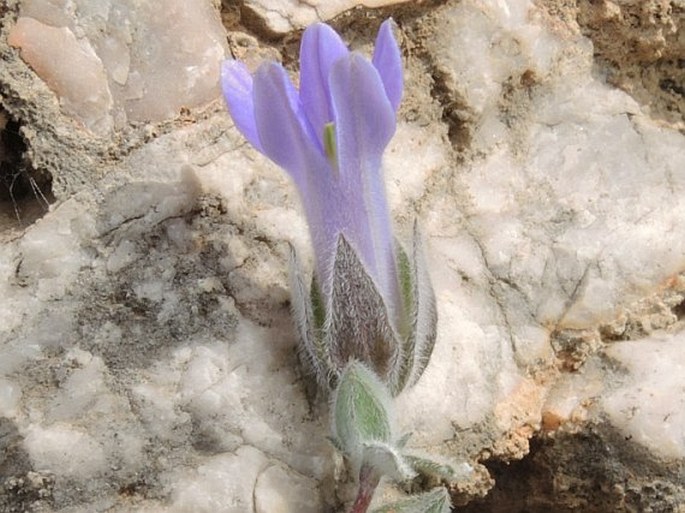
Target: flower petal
point(363, 116)
point(236, 84)
point(321, 47)
point(283, 129)
point(364, 123)
point(388, 61)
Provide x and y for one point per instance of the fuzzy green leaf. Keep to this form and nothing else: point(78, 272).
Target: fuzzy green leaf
point(442, 471)
point(426, 313)
point(358, 326)
point(388, 461)
point(308, 315)
point(435, 501)
point(361, 411)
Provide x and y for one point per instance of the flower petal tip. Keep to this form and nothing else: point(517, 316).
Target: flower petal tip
point(387, 59)
point(237, 87)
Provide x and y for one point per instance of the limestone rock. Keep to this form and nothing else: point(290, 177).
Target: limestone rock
point(283, 16)
point(110, 62)
point(145, 326)
point(70, 67)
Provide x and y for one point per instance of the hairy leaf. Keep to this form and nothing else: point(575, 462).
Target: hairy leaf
point(361, 412)
point(435, 501)
point(442, 471)
point(359, 327)
point(388, 461)
point(307, 313)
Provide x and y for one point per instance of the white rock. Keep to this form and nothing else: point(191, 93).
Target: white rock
point(55, 250)
point(224, 484)
point(278, 489)
point(649, 405)
point(283, 16)
point(119, 60)
point(141, 293)
point(566, 219)
point(70, 67)
point(245, 481)
point(64, 450)
point(10, 394)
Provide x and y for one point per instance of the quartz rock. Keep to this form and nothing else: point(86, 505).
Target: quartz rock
point(224, 483)
point(70, 67)
point(244, 481)
point(649, 406)
point(545, 230)
point(113, 61)
point(278, 490)
point(65, 450)
point(144, 321)
point(283, 16)
point(10, 394)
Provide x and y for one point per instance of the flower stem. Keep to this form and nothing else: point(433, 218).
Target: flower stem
point(368, 482)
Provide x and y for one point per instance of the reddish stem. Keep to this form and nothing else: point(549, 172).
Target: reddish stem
point(368, 482)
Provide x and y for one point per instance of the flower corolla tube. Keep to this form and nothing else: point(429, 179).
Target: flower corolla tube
point(369, 299)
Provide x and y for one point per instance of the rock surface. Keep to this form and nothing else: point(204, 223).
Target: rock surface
point(147, 357)
point(119, 61)
point(282, 16)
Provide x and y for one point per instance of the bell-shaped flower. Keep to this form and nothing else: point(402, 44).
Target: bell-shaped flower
point(369, 300)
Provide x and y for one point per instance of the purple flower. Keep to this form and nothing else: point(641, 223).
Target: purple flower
point(330, 137)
